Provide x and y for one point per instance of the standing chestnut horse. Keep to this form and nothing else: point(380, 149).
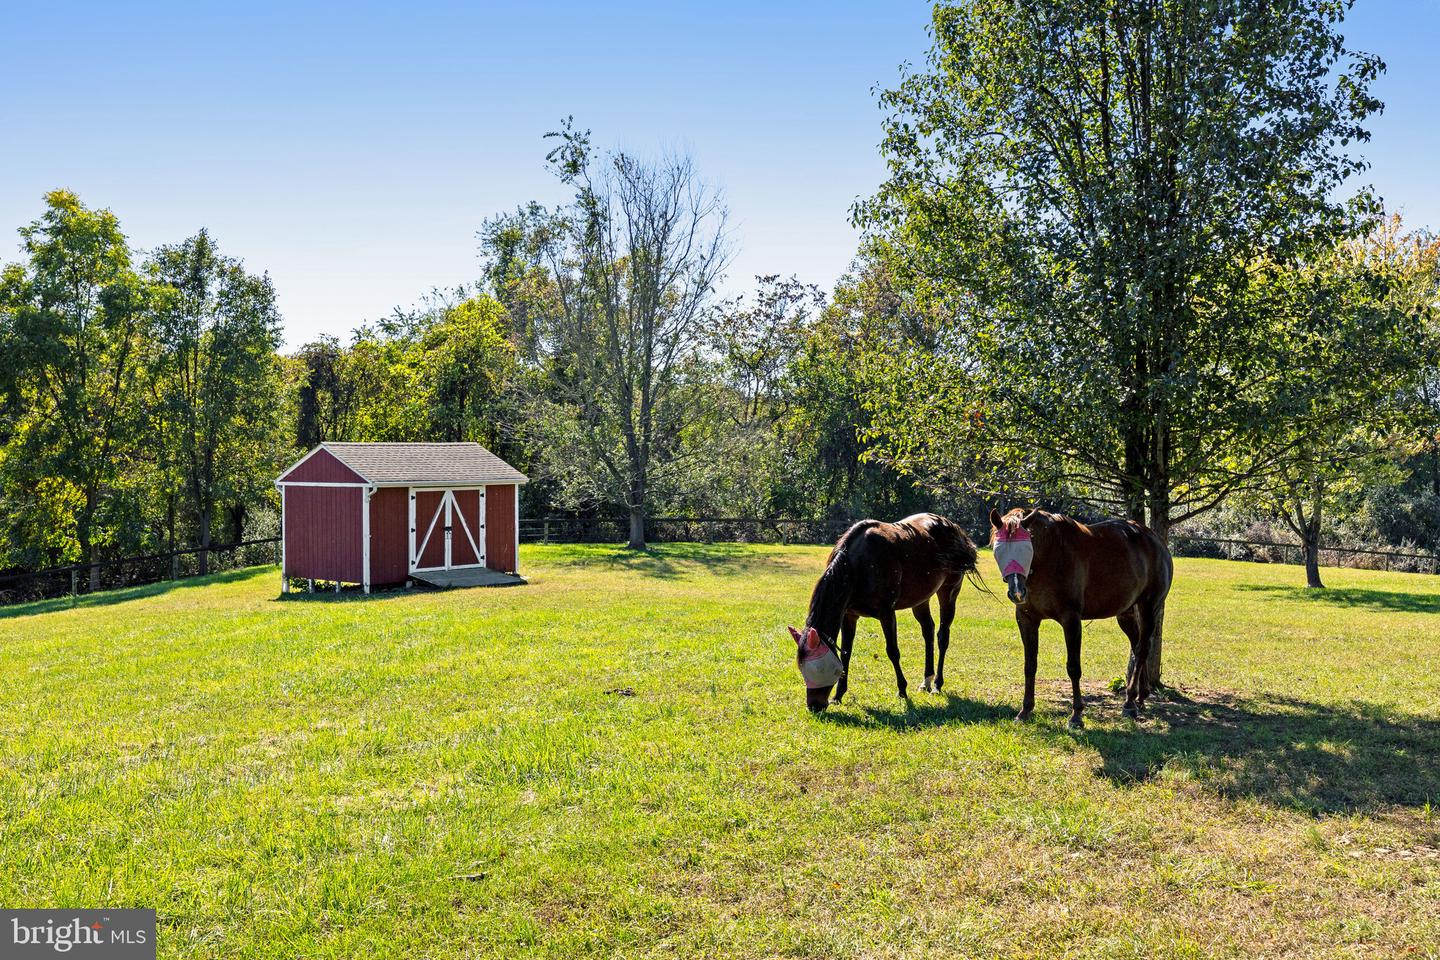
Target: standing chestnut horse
point(1056, 568)
point(875, 569)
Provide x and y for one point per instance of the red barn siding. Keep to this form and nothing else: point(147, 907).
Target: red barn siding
point(427, 505)
point(323, 537)
point(461, 553)
point(500, 528)
point(322, 467)
point(389, 536)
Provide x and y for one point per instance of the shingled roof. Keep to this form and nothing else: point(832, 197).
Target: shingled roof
point(425, 463)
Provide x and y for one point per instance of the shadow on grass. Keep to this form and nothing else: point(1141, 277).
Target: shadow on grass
point(1281, 751)
point(929, 714)
point(355, 594)
point(108, 598)
point(672, 560)
point(1394, 601)
point(1278, 750)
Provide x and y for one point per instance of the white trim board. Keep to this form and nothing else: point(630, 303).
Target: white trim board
point(318, 483)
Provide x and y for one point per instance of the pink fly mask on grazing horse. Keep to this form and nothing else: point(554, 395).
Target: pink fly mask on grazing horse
point(819, 663)
point(1013, 550)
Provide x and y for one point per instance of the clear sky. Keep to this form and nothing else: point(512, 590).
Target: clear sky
point(352, 149)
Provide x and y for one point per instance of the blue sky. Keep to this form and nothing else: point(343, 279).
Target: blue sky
point(352, 150)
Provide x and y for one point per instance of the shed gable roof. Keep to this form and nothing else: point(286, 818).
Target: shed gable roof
point(422, 463)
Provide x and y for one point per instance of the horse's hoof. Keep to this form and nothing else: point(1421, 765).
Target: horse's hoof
point(835, 700)
point(1076, 723)
point(1022, 716)
point(928, 684)
point(1131, 711)
point(939, 684)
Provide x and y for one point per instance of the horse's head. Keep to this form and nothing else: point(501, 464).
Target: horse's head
point(1014, 550)
point(819, 664)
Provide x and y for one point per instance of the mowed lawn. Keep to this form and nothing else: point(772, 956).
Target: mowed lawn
point(615, 760)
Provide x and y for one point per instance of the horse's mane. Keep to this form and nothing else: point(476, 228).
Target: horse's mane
point(833, 589)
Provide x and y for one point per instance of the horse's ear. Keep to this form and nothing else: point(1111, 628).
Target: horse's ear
point(796, 634)
point(995, 520)
point(1025, 520)
point(812, 639)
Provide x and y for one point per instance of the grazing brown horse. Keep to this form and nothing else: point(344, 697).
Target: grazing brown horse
point(1056, 568)
point(875, 569)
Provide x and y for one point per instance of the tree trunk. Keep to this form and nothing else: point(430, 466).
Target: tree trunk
point(170, 536)
point(1312, 534)
point(204, 541)
point(1312, 563)
point(637, 527)
point(1160, 523)
point(88, 550)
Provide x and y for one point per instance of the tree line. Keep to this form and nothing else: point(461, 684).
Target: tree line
point(148, 404)
point(1119, 265)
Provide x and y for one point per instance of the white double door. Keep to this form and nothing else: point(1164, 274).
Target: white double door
point(447, 528)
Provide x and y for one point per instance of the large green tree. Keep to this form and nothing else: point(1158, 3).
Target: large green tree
point(76, 314)
point(216, 380)
point(1361, 343)
point(1086, 187)
point(325, 392)
point(439, 373)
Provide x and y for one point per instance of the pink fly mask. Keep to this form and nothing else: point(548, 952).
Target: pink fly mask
point(819, 663)
point(1013, 550)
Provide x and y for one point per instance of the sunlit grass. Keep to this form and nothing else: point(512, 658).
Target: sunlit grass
point(449, 774)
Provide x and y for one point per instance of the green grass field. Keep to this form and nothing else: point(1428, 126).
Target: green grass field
point(463, 774)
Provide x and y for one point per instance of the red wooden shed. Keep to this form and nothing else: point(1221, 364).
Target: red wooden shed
point(380, 514)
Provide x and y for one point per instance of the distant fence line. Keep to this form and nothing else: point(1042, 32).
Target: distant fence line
point(1269, 551)
point(683, 530)
point(779, 530)
point(136, 571)
point(180, 564)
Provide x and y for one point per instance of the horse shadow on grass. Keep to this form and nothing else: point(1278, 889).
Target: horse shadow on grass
point(1384, 601)
point(1279, 750)
point(953, 709)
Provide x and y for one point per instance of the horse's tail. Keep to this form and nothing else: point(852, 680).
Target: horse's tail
point(962, 557)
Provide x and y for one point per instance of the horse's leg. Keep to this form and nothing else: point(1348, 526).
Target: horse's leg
point(1133, 624)
point(947, 616)
point(1152, 620)
point(847, 640)
point(1030, 639)
point(927, 630)
point(1072, 667)
point(892, 647)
